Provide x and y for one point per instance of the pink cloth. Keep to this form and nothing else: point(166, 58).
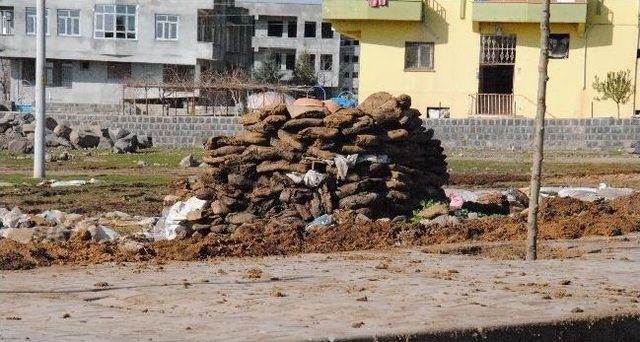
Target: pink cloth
point(456, 202)
point(377, 3)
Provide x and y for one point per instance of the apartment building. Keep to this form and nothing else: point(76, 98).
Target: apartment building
point(94, 46)
point(293, 27)
point(471, 58)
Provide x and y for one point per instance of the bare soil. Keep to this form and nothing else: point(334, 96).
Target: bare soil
point(561, 218)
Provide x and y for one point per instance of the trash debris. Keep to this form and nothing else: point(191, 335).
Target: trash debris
point(325, 220)
point(76, 182)
point(174, 218)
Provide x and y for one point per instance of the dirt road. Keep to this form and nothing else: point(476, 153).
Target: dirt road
point(403, 292)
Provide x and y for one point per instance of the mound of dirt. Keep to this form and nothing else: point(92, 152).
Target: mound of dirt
point(561, 218)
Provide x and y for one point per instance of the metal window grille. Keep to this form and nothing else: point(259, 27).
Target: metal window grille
point(498, 50)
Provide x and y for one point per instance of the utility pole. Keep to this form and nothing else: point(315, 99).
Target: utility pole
point(538, 154)
point(39, 138)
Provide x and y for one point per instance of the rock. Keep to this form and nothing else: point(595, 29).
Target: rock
point(97, 130)
point(28, 128)
point(144, 141)
point(84, 139)
point(188, 161)
point(48, 158)
point(22, 235)
point(131, 246)
point(105, 144)
point(19, 146)
point(240, 218)
point(118, 133)
point(517, 197)
point(404, 101)
point(128, 144)
point(489, 203)
point(50, 123)
point(62, 131)
point(141, 163)
point(101, 233)
point(433, 211)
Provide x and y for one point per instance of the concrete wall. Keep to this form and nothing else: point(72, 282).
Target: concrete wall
point(607, 43)
point(144, 49)
point(89, 86)
point(594, 134)
point(264, 11)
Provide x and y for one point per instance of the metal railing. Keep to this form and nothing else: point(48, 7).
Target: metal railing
point(493, 104)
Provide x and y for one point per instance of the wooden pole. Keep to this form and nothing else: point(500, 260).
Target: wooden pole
point(538, 154)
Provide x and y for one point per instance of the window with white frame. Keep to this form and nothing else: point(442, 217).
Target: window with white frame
point(115, 22)
point(418, 56)
point(167, 26)
point(69, 22)
point(6, 20)
point(32, 19)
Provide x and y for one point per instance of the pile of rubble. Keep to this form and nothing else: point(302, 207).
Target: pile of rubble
point(17, 132)
point(306, 161)
point(57, 226)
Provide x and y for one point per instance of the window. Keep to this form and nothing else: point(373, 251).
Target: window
point(292, 29)
point(326, 62)
point(66, 75)
point(346, 74)
point(29, 72)
point(6, 21)
point(274, 28)
point(69, 23)
point(290, 61)
point(118, 72)
point(115, 21)
point(346, 58)
point(559, 45)
point(327, 32)
point(354, 74)
point(418, 56)
point(48, 74)
point(167, 27)
point(31, 19)
point(309, 29)
point(355, 59)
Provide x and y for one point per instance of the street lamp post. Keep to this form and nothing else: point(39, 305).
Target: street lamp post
point(39, 138)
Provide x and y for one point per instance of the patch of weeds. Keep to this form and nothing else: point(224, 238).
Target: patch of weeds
point(425, 204)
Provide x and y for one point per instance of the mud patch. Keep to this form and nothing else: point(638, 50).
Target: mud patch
point(560, 219)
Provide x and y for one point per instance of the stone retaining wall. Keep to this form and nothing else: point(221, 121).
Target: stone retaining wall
point(595, 134)
point(568, 134)
point(165, 130)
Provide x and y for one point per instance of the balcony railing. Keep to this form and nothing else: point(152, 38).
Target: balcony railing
point(396, 10)
point(493, 104)
point(529, 11)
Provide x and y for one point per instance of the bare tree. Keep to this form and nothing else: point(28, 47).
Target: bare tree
point(538, 155)
point(5, 79)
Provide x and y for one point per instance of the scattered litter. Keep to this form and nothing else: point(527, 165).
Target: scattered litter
point(311, 178)
point(325, 220)
point(343, 164)
point(173, 219)
point(76, 182)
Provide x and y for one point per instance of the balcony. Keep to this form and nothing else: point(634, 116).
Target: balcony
point(529, 11)
point(397, 10)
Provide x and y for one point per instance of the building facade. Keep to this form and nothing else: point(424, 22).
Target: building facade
point(95, 46)
point(291, 28)
point(467, 58)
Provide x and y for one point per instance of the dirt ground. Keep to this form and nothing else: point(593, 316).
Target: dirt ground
point(561, 218)
point(403, 294)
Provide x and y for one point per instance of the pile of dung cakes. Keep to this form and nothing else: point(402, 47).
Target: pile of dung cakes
point(311, 159)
